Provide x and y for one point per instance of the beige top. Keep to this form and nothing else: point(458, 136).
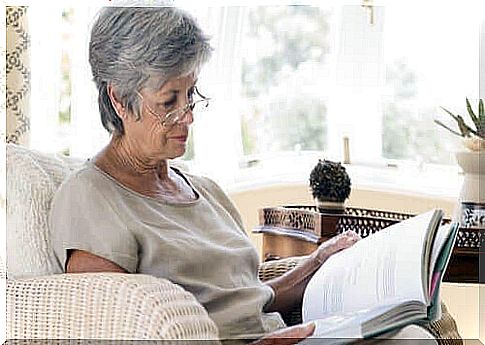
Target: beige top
point(200, 245)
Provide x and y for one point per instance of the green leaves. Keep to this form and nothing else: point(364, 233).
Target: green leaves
point(472, 114)
point(448, 128)
point(465, 129)
point(481, 119)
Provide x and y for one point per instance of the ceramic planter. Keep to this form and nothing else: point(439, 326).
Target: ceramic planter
point(472, 195)
point(325, 206)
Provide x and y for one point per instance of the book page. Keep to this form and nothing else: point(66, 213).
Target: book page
point(347, 325)
point(384, 268)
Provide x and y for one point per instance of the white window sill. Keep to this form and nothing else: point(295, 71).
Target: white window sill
point(443, 182)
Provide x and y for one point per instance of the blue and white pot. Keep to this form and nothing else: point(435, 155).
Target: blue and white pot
point(335, 207)
point(472, 196)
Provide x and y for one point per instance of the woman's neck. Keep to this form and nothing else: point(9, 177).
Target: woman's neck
point(126, 163)
point(128, 157)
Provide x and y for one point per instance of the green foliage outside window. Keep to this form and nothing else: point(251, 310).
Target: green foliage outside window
point(287, 108)
point(408, 128)
point(65, 97)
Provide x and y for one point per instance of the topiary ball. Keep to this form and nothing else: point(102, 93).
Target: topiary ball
point(329, 181)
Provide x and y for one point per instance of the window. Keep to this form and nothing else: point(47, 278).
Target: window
point(433, 62)
point(284, 48)
point(65, 84)
point(64, 116)
point(382, 83)
point(311, 76)
point(288, 84)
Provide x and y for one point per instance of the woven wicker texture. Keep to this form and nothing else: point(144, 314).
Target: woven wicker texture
point(272, 269)
point(104, 306)
point(87, 306)
point(444, 330)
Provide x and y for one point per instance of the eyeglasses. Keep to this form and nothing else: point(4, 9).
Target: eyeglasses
point(178, 115)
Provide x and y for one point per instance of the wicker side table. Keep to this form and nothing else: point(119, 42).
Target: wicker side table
point(298, 230)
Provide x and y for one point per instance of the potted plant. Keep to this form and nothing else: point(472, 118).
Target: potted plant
point(473, 136)
point(330, 185)
point(471, 212)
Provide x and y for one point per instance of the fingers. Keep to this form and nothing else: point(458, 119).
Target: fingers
point(346, 239)
point(351, 233)
point(287, 336)
point(335, 244)
point(341, 241)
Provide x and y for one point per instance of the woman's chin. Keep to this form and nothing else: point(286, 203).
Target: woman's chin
point(176, 153)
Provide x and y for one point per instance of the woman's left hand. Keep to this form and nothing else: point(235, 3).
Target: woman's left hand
point(334, 245)
point(287, 336)
point(289, 287)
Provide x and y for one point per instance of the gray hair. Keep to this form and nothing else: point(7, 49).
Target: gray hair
point(141, 47)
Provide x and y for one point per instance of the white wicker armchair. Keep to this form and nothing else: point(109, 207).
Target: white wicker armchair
point(104, 306)
point(43, 304)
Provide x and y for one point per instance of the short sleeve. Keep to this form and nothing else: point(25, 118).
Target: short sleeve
point(82, 217)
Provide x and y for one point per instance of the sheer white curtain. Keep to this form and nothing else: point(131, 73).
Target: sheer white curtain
point(358, 68)
point(46, 75)
point(217, 133)
point(87, 133)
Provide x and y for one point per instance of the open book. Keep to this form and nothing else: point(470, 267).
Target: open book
point(385, 281)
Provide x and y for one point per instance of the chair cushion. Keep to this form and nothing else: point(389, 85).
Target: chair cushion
point(32, 180)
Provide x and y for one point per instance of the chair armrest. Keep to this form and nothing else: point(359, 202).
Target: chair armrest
point(272, 269)
point(444, 329)
point(104, 306)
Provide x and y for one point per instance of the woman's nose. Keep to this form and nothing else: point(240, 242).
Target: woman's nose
point(187, 117)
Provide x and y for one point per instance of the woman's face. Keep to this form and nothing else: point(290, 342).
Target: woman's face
point(156, 138)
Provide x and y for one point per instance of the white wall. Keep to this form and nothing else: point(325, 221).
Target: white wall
point(462, 300)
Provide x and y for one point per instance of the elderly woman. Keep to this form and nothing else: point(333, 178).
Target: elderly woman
point(128, 210)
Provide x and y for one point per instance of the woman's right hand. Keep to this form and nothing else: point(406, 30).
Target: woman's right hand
point(287, 336)
point(334, 245)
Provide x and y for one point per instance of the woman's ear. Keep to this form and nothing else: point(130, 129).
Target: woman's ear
point(116, 103)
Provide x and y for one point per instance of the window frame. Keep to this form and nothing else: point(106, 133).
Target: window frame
point(377, 166)
point(225, 163)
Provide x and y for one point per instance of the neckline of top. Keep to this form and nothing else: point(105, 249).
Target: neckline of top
point(160, 201)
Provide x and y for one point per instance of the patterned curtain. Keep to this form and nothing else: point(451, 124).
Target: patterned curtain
point(18, 76)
